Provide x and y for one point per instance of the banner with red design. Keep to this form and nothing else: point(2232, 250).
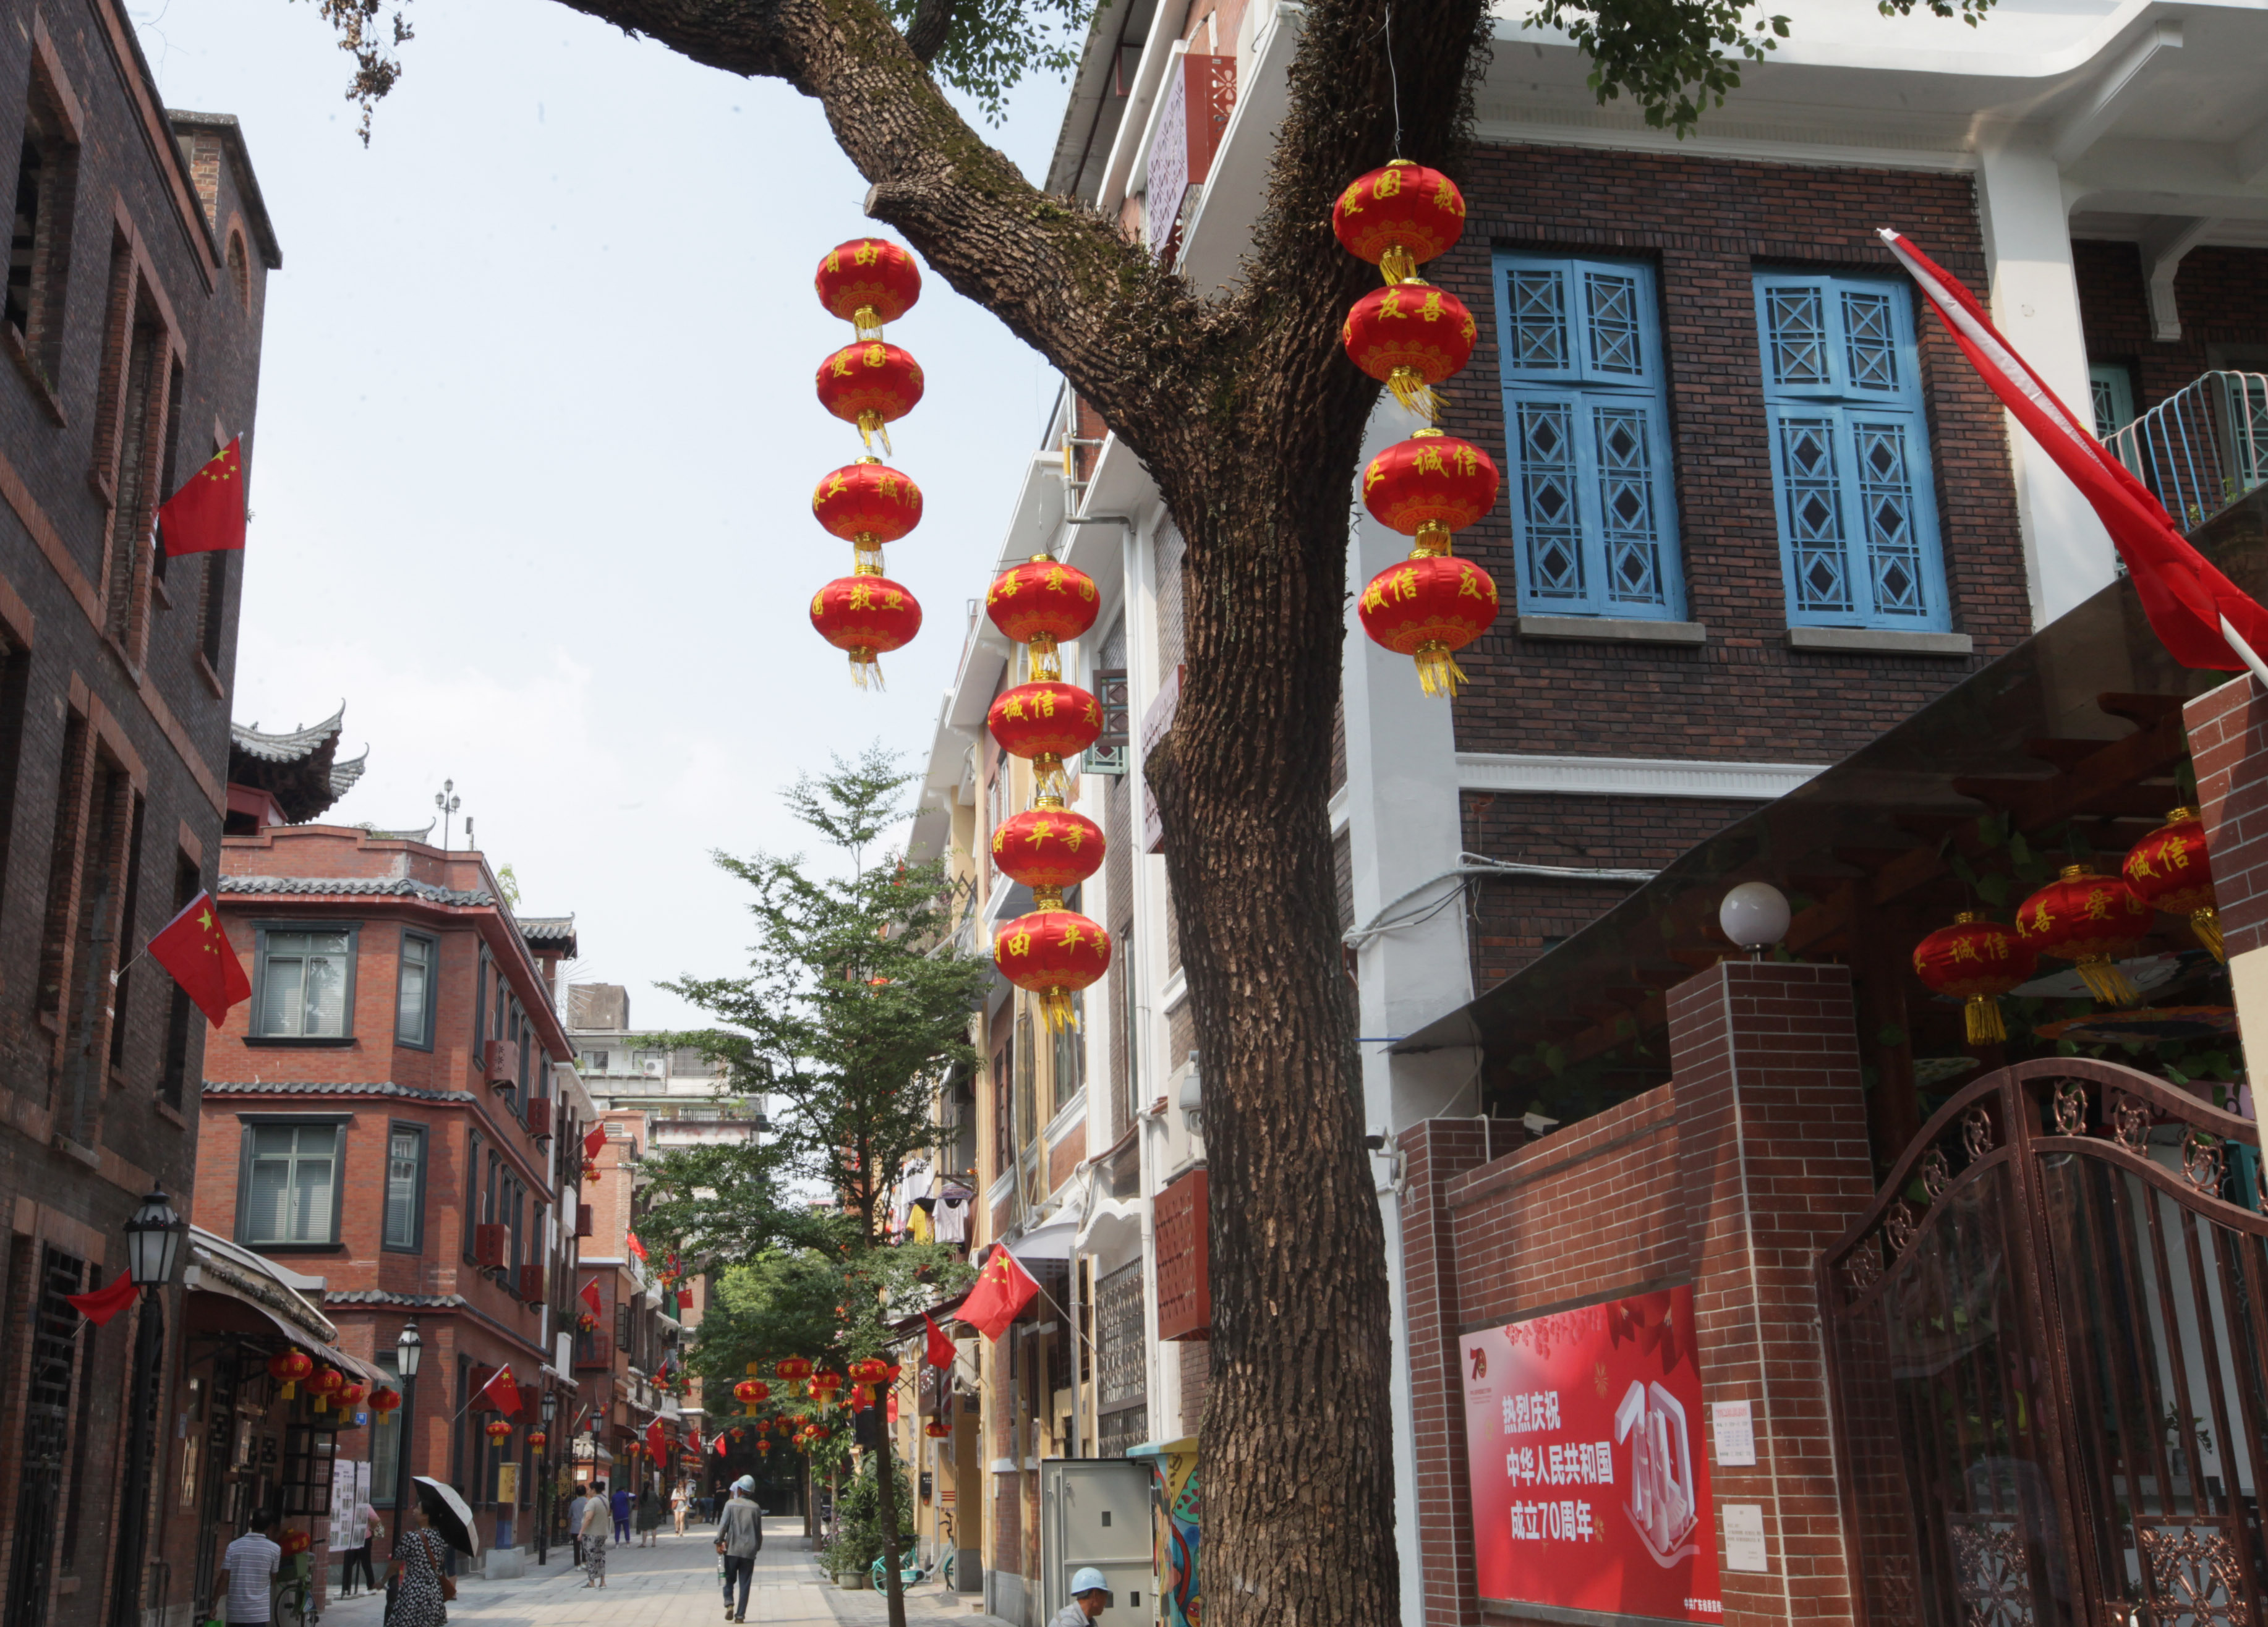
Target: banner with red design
point(1590, 1472)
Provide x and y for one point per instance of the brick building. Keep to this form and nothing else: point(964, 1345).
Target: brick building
point(131, 322)
point(401, 1046)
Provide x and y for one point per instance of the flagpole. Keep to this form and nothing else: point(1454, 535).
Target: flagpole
point(2250, 657)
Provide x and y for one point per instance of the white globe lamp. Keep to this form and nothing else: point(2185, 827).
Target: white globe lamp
point(1754, 915)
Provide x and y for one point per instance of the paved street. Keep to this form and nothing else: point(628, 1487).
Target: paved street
point(673, 1584)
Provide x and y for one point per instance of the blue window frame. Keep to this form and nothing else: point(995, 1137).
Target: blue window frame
point(1849, 453)
point(1586, 424)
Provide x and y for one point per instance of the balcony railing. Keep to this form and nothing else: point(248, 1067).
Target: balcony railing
point(2201, 448)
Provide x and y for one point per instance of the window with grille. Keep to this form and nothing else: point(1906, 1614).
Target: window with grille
point(290, 1184)
point(1586, 426)
point(1849, 453)
point(2111, 391)
point(306, 983)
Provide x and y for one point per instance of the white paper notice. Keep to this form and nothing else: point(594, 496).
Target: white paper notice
point(1736, 1433)
point(1744, 1537)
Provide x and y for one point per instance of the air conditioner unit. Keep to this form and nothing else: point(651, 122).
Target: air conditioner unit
point(501, 1066)
point(654, 1068)
point(531, 1282)
point(491, 1243)
point(539, 1117)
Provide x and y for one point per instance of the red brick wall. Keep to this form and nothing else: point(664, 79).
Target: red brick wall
point(1732, 1178)
point(2228, 746)
point(2222, 295)
point(1706, 225)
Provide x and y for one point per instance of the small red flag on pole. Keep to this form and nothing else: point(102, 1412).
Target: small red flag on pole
point(940, 1348)
point(594, 1141)
point(193, 947)
point(503, 1390)
point(637, 1247)
point(590, 1297)
point(206, 513)
point(1003, 1289)
point(101, 1304)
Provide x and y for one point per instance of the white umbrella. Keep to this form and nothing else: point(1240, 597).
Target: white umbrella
point(448, 1515)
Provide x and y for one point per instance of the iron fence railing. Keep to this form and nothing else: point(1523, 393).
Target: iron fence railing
point(2201, 448)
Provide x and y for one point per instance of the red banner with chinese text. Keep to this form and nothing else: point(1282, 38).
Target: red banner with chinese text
point(1590, 1473)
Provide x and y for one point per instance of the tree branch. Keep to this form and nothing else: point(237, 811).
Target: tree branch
point(925, 35)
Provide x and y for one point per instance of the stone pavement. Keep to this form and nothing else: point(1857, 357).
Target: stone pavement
point(673, 1585)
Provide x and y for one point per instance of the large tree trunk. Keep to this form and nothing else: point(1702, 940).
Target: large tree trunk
point(1250, 421)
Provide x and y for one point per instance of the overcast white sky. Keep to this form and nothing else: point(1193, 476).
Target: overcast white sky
point(537, 439)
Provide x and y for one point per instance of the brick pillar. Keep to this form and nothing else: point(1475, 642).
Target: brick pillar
point(1771, 1149)
point(1434, 1153)
point(2228, 746)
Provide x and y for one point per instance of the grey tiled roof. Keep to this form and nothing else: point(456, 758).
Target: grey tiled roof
point(373, 1087)
point(379, 1296)
point(399, 835)
point(291, 744)
point(353, 887)
point(343, 774)
point(546, 926)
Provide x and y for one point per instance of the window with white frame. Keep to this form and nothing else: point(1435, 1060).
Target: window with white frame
point(405, 1187)
point(1586, 425)
point(1849, 453)
point(307, 982)
point(413, 1009)
point(290, 1184)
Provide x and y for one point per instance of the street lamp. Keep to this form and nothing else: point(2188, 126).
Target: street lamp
point(408, 1350)
point(153, 1247)
point(544, 1477)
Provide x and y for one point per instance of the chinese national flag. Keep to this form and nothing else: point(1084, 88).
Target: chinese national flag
point(593, 1143)
point(654, 1443)
point(208, 511)
point(720, 1445)
point(196, 950)
point(100, 1306)
point(1003, 1289)
point(940, 1348)
point(590, 1297)
point(501, 1391)
point(685, 1299)
point(637, 1247)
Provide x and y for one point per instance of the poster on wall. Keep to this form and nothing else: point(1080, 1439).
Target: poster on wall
point(1590, 1475)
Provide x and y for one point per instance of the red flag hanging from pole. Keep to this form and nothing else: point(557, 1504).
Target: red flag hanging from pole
point(637, 1247)
point(100, 1305)
point(208, 511)
point(1003, 1289)
point(502, 1391)
point(194, 948)
point(590, 1297)
point(594, 1141)
point(939, 1350)
point(2204, 619)
point(655, 1441)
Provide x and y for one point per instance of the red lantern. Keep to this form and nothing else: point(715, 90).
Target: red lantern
point(868, 282)
point(2096, 920)
point(295, 1543)
point(1042, 603)
point(288, 1369)
point(794, 1370)
point(763, 1448)
point(867, 503)
point(1399, 217)
point(815, 1431)
point(326, 1383)
point(1975, 959)
point(1046, 722)
point(2171, 871)
point(1429, 485)
point(868, 616)
point(1430, 607)
point(351, 1398)
point(1048, 848)
point(1053, 953)
point(748, 1392)
point(864, 1375)
point(938, 1429)
point(1409, 339)
point(498, 1430)
point(824, 1384)
point(870, 384)
point(383, 1400)
point(537, 1438)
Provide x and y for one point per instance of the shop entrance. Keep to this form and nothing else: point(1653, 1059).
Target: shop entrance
point(2049, 1337)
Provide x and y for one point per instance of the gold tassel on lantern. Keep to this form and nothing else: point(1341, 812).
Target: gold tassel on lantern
point(866, 323)
point(1438, 672)
point(869, 425)
point(1430, 542)
point(1048, 779)
point(2106, 982)
point(1046, 661)
point(1398, 265)
point(1061, 1016)
point(865, 670)
point(1985, 1027)
point(865, 554)
point(1411, 390)
point(2205, 924)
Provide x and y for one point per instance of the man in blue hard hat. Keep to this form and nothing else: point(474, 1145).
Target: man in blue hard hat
point(1090, 1597)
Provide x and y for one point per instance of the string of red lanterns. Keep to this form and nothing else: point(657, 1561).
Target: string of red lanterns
point(867, 282)
point(1410, 336)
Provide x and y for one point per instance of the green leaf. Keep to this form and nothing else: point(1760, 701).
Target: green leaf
point(1993, 889)
point(1891, 1036)
point(2019, 850)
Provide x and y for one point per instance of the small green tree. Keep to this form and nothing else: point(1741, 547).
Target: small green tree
point(856, 1003)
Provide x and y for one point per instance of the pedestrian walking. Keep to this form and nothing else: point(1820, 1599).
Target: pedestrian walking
point(679, 1501)
point(740, 1538)
point(373, 1529)
point(425, 1585)
point(649, 1515)
point(1090, 1597)
point(575, 1522)
point(620, 1506)
point(598, 1514)
point(247, 1575)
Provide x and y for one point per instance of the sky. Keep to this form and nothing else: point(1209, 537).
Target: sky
point(536, 441)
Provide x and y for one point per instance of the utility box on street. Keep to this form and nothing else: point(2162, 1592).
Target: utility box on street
point(1096, 1511)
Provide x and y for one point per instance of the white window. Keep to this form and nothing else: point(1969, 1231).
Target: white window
point(291, 1189)
point(412, 1005)
point(405, 1187)
point(305, 982)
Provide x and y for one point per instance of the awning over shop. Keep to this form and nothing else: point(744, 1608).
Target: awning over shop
point(218, 1266)
point(1050, 1240)
point(583, 1447)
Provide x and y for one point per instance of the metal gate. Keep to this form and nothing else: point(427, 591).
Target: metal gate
point(47, 1435)
point(2049, 1343)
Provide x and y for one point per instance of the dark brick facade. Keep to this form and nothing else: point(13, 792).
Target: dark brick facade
point(130, 352)
point(2222, 297)
point(1706, 225)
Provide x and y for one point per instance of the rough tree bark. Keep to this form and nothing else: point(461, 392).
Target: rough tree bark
point(1251, 423)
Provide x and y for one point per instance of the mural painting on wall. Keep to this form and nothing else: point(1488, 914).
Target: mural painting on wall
point(1590, 1479)
point(1182, 1594)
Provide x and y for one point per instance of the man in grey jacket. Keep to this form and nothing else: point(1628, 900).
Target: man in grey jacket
point(739, 1537)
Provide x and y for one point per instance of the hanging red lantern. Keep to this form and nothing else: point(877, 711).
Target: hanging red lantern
point(1429, 486)
point(326, 1383)
point(2096, 920)
point(1975, 959)
point(1047, 849)
point(2171, 871)
point(294, 1543)
point(748, 1392)
point(864, 1375)
point(1042, 604)
point(288, 1369)
point(867, 503)
point(870, 384)
point(867, 616)
point(938, 1429)
point(815, 1431)
point(351, 1398)
point(1046, 722)
point(763, 1448)
point(868, 282)
point(1053, 953)
point(793, 1369)
point(823, 1385)
point(383, 1400)
point(1411, 338)
point(1429, 607)
point(1399, 217)
point(537, 1438)
point(498, 1430)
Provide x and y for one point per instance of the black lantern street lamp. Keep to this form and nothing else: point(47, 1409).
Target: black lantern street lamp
point(153, 1247)
point(545, 1496)
point(408, 1350)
